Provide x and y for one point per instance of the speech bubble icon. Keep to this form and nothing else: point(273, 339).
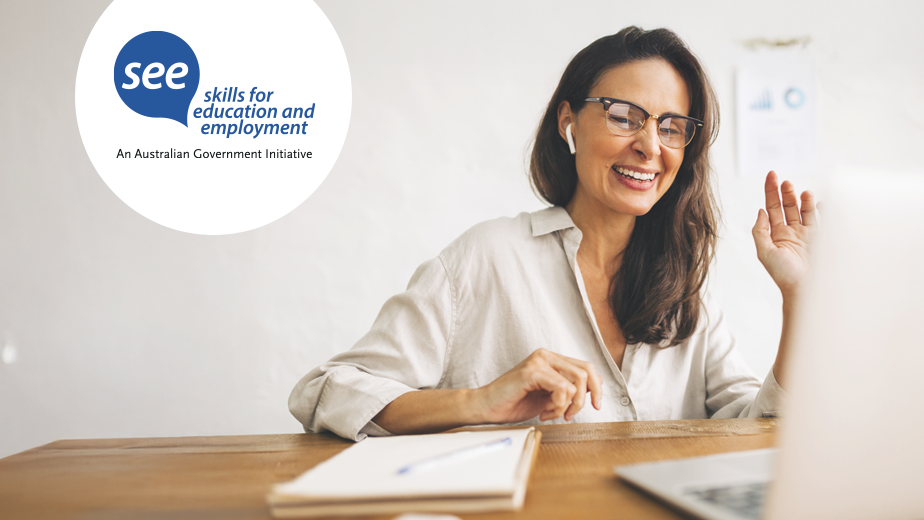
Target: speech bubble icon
point(156, 75)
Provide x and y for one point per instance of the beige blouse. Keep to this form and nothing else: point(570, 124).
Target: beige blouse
point(503, 289)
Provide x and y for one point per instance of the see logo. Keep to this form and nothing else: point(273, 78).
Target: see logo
point(156, 74)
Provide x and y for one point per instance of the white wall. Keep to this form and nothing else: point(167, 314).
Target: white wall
point(124, 328)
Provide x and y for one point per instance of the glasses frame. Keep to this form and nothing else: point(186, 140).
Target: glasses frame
point(609, 101)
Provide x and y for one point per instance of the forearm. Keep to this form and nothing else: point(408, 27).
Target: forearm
point(786, 339)
point(429, 411)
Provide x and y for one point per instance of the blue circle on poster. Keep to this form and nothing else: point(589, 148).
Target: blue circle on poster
point(794, 97)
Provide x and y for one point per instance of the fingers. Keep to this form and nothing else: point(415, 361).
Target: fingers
point(772, 195)
point(809, 216)
point(568, 381)
point(595, 385)
point(585, 379)
point(561, 392)
point(761, 232)
point(790, 204)
point(789, 210)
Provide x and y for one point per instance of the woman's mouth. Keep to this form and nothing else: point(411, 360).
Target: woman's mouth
point(636, 176)
point(634, 180)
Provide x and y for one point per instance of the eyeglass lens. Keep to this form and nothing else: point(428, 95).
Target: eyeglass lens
point(626, 120)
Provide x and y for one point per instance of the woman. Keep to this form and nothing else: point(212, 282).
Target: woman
point(519, 319)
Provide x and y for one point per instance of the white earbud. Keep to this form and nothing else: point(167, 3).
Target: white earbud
point(570, 138)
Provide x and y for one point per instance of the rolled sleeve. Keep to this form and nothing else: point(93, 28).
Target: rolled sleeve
point(404, 351)
point(770, 398)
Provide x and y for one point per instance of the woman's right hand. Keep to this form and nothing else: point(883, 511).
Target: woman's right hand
point(545, 384)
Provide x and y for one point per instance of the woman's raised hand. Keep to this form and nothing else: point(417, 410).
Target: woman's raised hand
point(545, 384)
point(783, 232)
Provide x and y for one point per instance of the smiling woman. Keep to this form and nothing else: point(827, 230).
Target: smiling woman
point(628, 160)
point(603, 293)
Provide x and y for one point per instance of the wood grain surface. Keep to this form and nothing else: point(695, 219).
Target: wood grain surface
point(206, 478)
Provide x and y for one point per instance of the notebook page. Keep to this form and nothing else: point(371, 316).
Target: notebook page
point(369, 468)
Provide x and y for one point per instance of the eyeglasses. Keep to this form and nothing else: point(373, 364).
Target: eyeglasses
point(627, 119)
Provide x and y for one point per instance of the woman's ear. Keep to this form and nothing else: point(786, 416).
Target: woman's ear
point(565, 122)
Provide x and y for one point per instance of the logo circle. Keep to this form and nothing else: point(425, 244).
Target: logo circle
point(212, 120)
point(156, 89)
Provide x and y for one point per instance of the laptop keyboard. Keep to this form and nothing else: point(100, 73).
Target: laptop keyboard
point(746, 500)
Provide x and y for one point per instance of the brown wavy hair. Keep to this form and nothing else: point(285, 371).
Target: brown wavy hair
point(655, 294)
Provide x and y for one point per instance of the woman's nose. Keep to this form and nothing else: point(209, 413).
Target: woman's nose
point(647, 143)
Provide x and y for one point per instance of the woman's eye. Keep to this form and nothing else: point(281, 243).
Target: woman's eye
point(622, 121)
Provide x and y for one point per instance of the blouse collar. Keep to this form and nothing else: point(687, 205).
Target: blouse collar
point(550, 220)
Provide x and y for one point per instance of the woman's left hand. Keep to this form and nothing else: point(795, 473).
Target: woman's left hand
point(783, 232)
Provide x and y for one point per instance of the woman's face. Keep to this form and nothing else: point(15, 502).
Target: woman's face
point(604, 160)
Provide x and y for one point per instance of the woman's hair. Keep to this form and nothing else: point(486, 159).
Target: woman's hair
point(655, 294)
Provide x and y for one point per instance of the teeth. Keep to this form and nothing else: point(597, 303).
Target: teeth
point(635, 175)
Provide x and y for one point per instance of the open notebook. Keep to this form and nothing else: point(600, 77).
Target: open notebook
point(450, 472)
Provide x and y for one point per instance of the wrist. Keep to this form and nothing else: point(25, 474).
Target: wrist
point(790, 294)
point(790, 300)
point(474, 406)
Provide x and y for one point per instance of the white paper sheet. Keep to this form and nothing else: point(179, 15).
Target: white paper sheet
point(370, 468)
point(775, 109)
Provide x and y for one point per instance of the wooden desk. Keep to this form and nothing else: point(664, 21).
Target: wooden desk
point(227, 478)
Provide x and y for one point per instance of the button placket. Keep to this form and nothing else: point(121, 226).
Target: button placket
point(571, 240)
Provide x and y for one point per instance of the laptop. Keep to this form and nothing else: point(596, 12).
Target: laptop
point(852, 436)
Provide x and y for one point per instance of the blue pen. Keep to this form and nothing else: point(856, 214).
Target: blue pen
point(456, 456)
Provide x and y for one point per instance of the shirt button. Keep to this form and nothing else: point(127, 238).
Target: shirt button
point(624, 401)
